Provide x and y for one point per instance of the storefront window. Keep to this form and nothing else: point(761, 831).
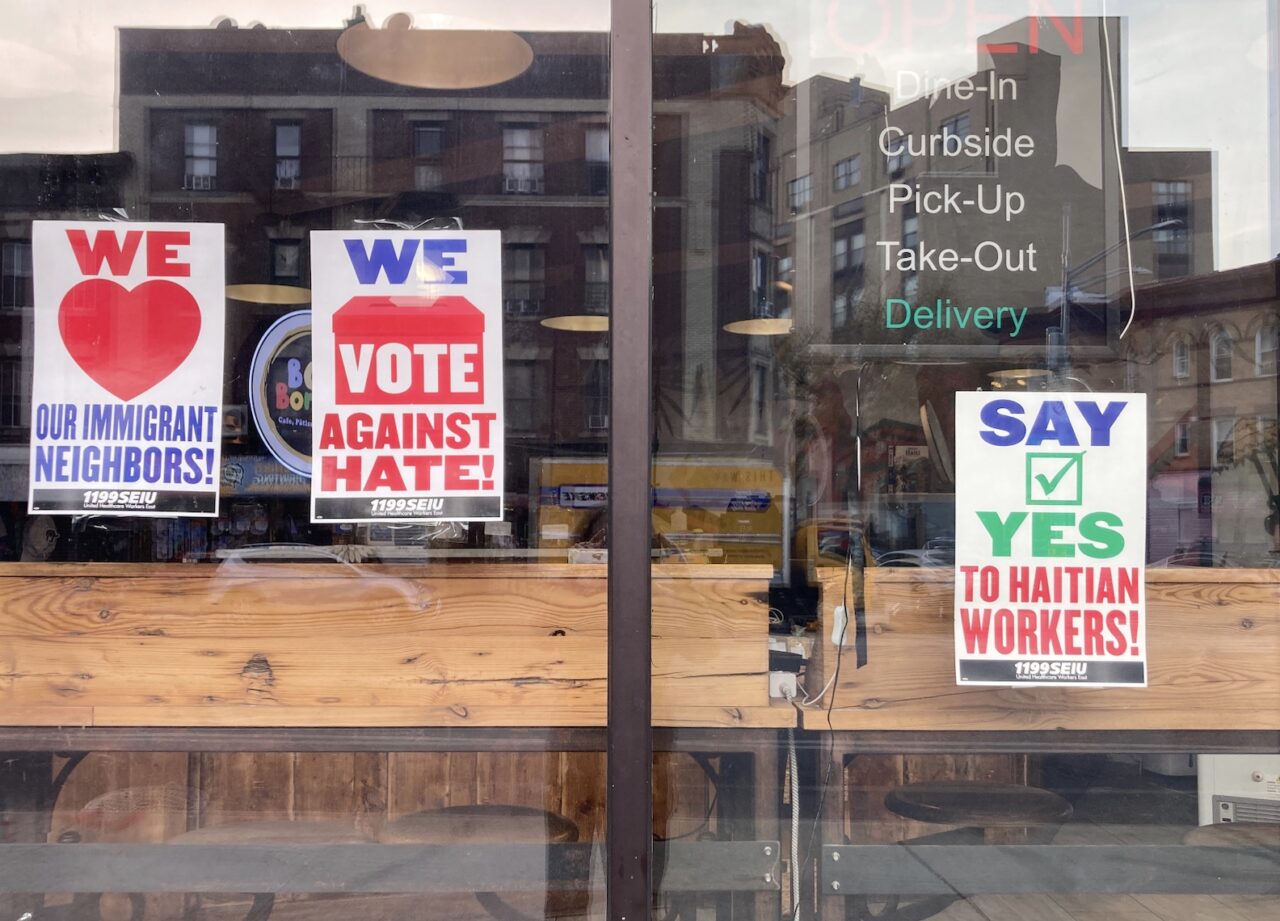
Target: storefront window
point(776, 459)
point(1058, 229)
point(386, 700)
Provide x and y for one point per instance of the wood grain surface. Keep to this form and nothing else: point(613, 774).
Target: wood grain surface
point(1214, 645)
point(269, 644)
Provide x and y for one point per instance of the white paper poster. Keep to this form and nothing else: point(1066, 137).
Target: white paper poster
point(127, 392)
point(407, 400)
point(1051, 539)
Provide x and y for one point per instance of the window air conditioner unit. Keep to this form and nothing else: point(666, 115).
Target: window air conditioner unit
point(598, 422)
point(287, 182)
point(522, 186)
point(198, 183)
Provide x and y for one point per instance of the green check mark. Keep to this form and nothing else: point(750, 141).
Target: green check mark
point(1052, 481)
point(1049, 485)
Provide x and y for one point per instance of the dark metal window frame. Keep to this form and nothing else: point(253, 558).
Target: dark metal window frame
point(629, 815)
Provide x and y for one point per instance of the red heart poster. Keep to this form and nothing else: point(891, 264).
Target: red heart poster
point(128, 340)
point(126, 395)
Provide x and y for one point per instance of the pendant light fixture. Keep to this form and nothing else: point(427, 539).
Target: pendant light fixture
point(435, 59)
point(285, 295)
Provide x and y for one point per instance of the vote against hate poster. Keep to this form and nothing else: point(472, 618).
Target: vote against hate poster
point(126, 415)
point(407, 393)
point(1051, 539)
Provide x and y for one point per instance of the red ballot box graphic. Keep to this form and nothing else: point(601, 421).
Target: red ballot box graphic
point(408, 350)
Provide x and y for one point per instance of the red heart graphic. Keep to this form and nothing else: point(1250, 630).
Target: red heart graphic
point(129, 341)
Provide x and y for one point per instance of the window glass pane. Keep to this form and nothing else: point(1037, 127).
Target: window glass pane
point(597, 144)
point(288, 140)
point(428, 141)
point(304, 246)
point(981, 223)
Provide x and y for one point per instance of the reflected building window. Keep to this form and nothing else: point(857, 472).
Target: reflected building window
point(1224, 447)
point(761, 296)
point(840, 311)
point(428, 156)
point(526, 395)
point(760, 166)
point(597, 159)
point(522, 167)
point(200, 144)
point(1220, 347)
point(1182, 439)
point(896, 163)
point(15, 368)
point(848, 172)
point(288, 155)
point(784, 282)
point(1172, 202)
point(1264, 350)
point(849, 249)
point(911, 241)
point(15, 274)
point(956, 126)
point(595, 394)
point(595, 295)
point(799, 193)
point(761, 399)
point(848, 263)
point(524, 272)
point(1181, 359)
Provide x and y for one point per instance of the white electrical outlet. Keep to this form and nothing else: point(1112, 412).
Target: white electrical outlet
point(840, 632)
point(783, 685)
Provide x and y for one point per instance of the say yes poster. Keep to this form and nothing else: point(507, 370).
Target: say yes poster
point(126, 415)
point(407, 376)
point(1051, 539)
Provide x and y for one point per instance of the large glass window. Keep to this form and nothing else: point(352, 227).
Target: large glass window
point(928, 508)
point(392, 710)
point(1017, 222)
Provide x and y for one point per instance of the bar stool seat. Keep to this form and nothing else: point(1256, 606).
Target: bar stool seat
point(495, 823)
point(480, 823)
point(973, 805)
point(267, 831)
point(1235, 834)
point(978, 804)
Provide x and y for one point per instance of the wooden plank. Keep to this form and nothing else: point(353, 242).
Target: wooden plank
point(245, 787)
point(583, 793)
point(1214, 636)
point(678, 715)
point(348, 671)
point(416, 782)
point(105, 644)
point(417, 569)
point(380, 606)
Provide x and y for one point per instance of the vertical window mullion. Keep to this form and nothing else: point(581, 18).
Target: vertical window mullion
point(629, 815)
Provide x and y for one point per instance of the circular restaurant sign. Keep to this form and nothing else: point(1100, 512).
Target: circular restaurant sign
point(280, 390)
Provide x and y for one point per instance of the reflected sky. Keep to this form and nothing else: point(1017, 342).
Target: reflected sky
point(1195, 73)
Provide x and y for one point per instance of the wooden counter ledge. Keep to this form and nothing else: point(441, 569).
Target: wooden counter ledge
point(435, 644)
point(1214, 649)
